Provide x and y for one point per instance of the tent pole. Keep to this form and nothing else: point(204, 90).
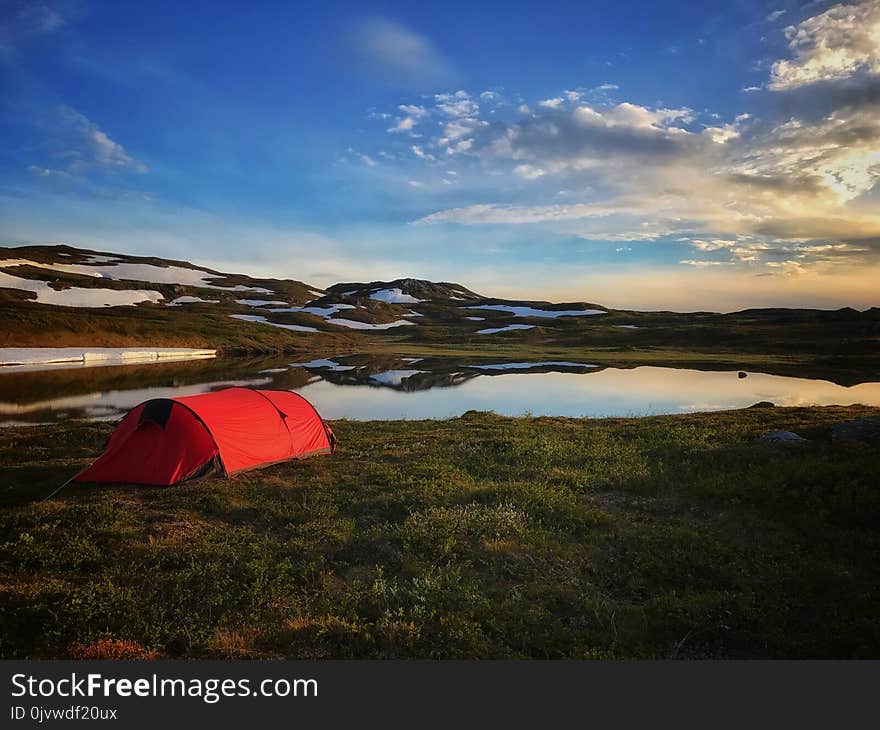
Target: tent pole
point(64, 485)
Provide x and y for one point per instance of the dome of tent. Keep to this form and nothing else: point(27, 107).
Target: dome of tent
point(168, 440)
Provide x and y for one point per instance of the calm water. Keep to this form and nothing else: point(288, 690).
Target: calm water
point(358, 387)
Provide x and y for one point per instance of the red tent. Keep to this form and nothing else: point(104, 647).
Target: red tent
point(168, 440)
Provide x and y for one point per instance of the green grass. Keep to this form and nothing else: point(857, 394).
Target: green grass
point(478, 537)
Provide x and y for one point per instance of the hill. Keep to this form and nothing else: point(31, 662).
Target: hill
point(65, 296)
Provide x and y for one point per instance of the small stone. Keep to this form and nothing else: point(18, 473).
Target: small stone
point(742, 375)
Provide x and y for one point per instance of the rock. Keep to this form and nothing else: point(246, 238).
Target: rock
point(742, 375)
point(782, 437)
point(763, 404)
point(861, 429)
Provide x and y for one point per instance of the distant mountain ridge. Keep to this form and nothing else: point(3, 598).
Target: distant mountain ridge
point(414, 288)
point(64, 296)
point(126, 299)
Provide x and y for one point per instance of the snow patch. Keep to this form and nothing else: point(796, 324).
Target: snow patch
point(261, 302)
point(78, 296)
point(627, 326)
point(27, 356)
point(191, 300)
point(509, 328)
point(140, 272)
point(263, 320)
point(98, 259)
point(394, 296)
point(325, 312)
point(476, 319)
point(353, 324)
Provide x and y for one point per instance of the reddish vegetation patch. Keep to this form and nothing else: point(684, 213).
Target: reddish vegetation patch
point(112, 649)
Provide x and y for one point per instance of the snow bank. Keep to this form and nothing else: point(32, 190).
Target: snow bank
point(261, 302)
point(394, 296)
point(78, 296)
point(26, 356)
point(355, 325)
point(98, 259)
point(517, 311)
point(191, 300)
point(325, 312)
point(263, 320)
point(509, 328)
point(139, 272)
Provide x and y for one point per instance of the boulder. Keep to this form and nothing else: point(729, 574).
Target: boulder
point(782, 437)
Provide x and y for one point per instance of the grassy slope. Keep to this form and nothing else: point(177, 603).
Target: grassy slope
point(476, 537)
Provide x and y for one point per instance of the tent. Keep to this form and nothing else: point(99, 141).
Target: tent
point(168, 440)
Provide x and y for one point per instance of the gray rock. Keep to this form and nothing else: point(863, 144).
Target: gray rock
point(861, 429)
point(782, 437)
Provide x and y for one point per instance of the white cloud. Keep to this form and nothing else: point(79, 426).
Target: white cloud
point(80, 146)
point(419, 152)
point(397, 55)
point(834, 45)
point(636, 173)
point(529, 172)
point(413, 110)
point(775, 15)
point(459, 104)
point(691, 262)
point(366, 159)
point(554, 103)
point(404, 125)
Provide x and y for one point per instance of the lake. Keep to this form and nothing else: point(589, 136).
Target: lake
point(364, 387)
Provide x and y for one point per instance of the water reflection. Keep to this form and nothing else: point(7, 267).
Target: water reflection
point(391, 387)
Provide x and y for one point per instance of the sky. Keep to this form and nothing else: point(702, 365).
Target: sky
point(649, 155)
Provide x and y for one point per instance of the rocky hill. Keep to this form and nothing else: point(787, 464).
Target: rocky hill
point(62, 296)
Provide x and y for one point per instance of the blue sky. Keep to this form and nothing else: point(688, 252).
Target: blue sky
point(643, 154)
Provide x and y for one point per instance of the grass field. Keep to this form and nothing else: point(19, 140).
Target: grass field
point(478, 537)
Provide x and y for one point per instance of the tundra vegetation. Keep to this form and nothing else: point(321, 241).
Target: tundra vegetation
point(476, 537)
